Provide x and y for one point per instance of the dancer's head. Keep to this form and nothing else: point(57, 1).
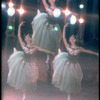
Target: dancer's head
point(71, 38)
point(28, 38)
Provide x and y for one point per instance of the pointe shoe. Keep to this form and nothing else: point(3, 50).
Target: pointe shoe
point(68, 98)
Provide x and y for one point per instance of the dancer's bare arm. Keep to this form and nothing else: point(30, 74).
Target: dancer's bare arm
point(19, 35)
point(64, 39)
point(47, 7)
point(88, 51)
point(45, 4)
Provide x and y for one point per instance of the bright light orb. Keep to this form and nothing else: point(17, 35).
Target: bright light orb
point(11, 4)
point(10, 27)
point(3, 5)
point(56, 29)
point(67, 12)
point(57, 13)
point(52, 29)
point(21, 11)
point(81, 6)
point(11, 11)
point(73, 19)
point(81, 20)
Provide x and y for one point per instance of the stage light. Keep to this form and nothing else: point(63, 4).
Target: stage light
point(10, 27)
point(3, 5)
point(57, 13)
point(72, 19)
point(67, 12)
point(11, 11)
point(10, 4)
point(81, 20)
point(52, 29)
point(55, 28)
point(21, 11)
point(81, 6)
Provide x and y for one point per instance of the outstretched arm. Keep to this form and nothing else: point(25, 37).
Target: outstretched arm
point(88, 51)
point(19, 36)
point(64, 39)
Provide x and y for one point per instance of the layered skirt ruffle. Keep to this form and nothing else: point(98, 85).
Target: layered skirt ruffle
point(22, 73)
point(67, 76)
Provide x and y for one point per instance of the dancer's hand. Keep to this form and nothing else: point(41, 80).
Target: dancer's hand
point(21, 23)
point(50, 12)
point(97, 54)
point(26, 50)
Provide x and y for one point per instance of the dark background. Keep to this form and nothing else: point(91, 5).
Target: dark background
point(91, 16)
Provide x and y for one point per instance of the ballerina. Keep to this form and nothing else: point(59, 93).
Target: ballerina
point(67, 72)
point(47, 33)
point(23, 72)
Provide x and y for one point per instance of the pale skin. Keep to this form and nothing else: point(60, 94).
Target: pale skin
point(52, 6)
point(27, 39)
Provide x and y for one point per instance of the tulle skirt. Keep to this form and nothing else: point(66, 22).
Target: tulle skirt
point(67, 76)
point(45, 37)
point(22, 73)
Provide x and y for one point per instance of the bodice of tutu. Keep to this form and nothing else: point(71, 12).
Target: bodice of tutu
point(29, 57)
point(73, 54)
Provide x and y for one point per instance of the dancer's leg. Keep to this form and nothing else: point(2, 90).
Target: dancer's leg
point(24, 95)
point(68, 97)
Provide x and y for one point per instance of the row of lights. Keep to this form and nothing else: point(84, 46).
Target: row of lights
point(11, 9)
point(56, 14)
point(73, 19)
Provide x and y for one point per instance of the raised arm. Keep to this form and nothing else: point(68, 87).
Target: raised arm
point(45, 4)
point(88, 51)
point(64, 39)
point(50, 12)
point(19, 36)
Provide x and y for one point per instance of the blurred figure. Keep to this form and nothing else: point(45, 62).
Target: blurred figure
point(47, 35)
point(23, 73)
point(67, 75)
